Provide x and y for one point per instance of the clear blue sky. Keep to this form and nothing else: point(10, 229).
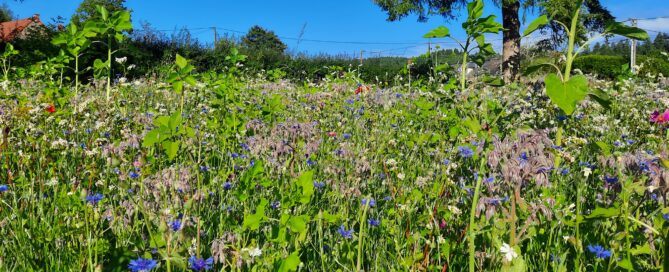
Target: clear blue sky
point(332, 20)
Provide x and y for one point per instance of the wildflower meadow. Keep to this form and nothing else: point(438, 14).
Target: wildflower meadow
point(231, 170)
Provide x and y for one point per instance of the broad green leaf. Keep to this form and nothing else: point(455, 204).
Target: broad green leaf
point(252, 221)
point(601, 97)
point(181, 61)
point(161, 121)
point(626, 264)
point(150, 139)
point(171, 148)
point(175, 121)
point(600, 212)
point(291, 263)
point(536, 24)
point(298, 223)
point(473, 124)
point(190, 80)
point(627, 31)
point(178, 86)
point(638, 250)
point(493, 81)
point(439, 32)
point(475, 9)
point(605, 148)
point(306, 182)
point(566, 94)
point(535, 68)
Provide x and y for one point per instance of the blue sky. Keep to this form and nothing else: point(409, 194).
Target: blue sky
point(327, 20)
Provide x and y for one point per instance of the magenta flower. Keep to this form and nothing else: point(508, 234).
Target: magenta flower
point(660, 118)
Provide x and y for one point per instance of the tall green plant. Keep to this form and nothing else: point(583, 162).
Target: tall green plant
point(180, 75)
point(112, 26)
point(476, 27)
point(75, 40)
point(6, 59)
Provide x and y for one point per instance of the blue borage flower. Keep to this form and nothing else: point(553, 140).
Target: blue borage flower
point(142, 265)
point(319, 184)
point(465, 151)
point(599, 251)
point(610, 179)
point(175, 225)
point(373, 222)
point(93, 199)
point(348, 234)
point(200, 264)
point(133, 175)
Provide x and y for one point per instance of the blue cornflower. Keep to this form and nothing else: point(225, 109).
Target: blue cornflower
point(116, 171)
point(489, 179)
point(319, 184)
point(523, 157)
point(205, 110)
point(373, 222)
point(245, 146)
point(89, 131)
point(599, 251)
point(94, 199)
point(611, 179)
point(561, 117)
point(465, 151)
point(387, 198)
point(398, 95)
point(142, 265)
point(372, 202)
point(4, 188)
point(347, 136)
point(446, 162)
point(311, 162)
point(175, 225)
point(133, 175)
point(200, 264)
point(348, 234)
point(82, 145)
point(349, 101)
point(631, 142)
point(107, 135)
point(227, 186)
point(275, 205)
point(666, 217)
point(234, 155)
point(204, 168)
point(564, 171)
point(616, 143)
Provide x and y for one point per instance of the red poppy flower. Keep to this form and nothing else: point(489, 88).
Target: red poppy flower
point(361, 88)
point(51, 108)
point(332, 134)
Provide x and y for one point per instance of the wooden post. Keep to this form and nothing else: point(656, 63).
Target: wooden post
point(215, 36)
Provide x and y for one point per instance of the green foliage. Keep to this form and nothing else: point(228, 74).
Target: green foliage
point(476, 28)
point(88, 10)
point(167, 134)
point(566, 94)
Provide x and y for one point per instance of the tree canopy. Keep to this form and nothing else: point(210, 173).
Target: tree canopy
point(87, 9)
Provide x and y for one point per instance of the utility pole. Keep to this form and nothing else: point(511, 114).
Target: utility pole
point(215, 36)
point(633, 50)
point(361, 51)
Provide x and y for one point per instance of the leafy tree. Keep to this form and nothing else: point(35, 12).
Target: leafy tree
point(87, 9)
point(6, 14)
point(264, 48)
point(398, 9)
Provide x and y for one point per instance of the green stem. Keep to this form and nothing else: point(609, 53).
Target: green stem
point(577, 265)
point(362, 233)
point(463, 73)
point(572, 41)
point(109, 60)
point(558, 143)
point(471, 234)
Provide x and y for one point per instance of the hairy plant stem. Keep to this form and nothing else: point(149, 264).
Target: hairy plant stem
point(471, 234)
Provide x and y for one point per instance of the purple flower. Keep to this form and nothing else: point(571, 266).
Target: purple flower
point(666, 217)
point(372, 202)
point(599, 251)
point(611, 179)
point(347, 136)
point(373, 222)
point(227, 186)
point(4, 188)
point(319, 184)
point(94, 199)
point(142, 265)
point(200, 264)
point(446, 162)
point(348, 234)
point(175, 225)
point(465, 151)
point(275, 205)
point(311, 162)
point(133, 175)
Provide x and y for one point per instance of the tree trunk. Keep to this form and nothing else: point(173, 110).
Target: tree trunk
point(511, 51)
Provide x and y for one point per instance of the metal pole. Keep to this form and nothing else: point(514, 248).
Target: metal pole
point(633, 50)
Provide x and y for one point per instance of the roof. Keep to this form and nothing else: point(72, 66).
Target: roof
point(9, 30)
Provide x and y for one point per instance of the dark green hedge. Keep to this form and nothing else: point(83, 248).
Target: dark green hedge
point(611, 66)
